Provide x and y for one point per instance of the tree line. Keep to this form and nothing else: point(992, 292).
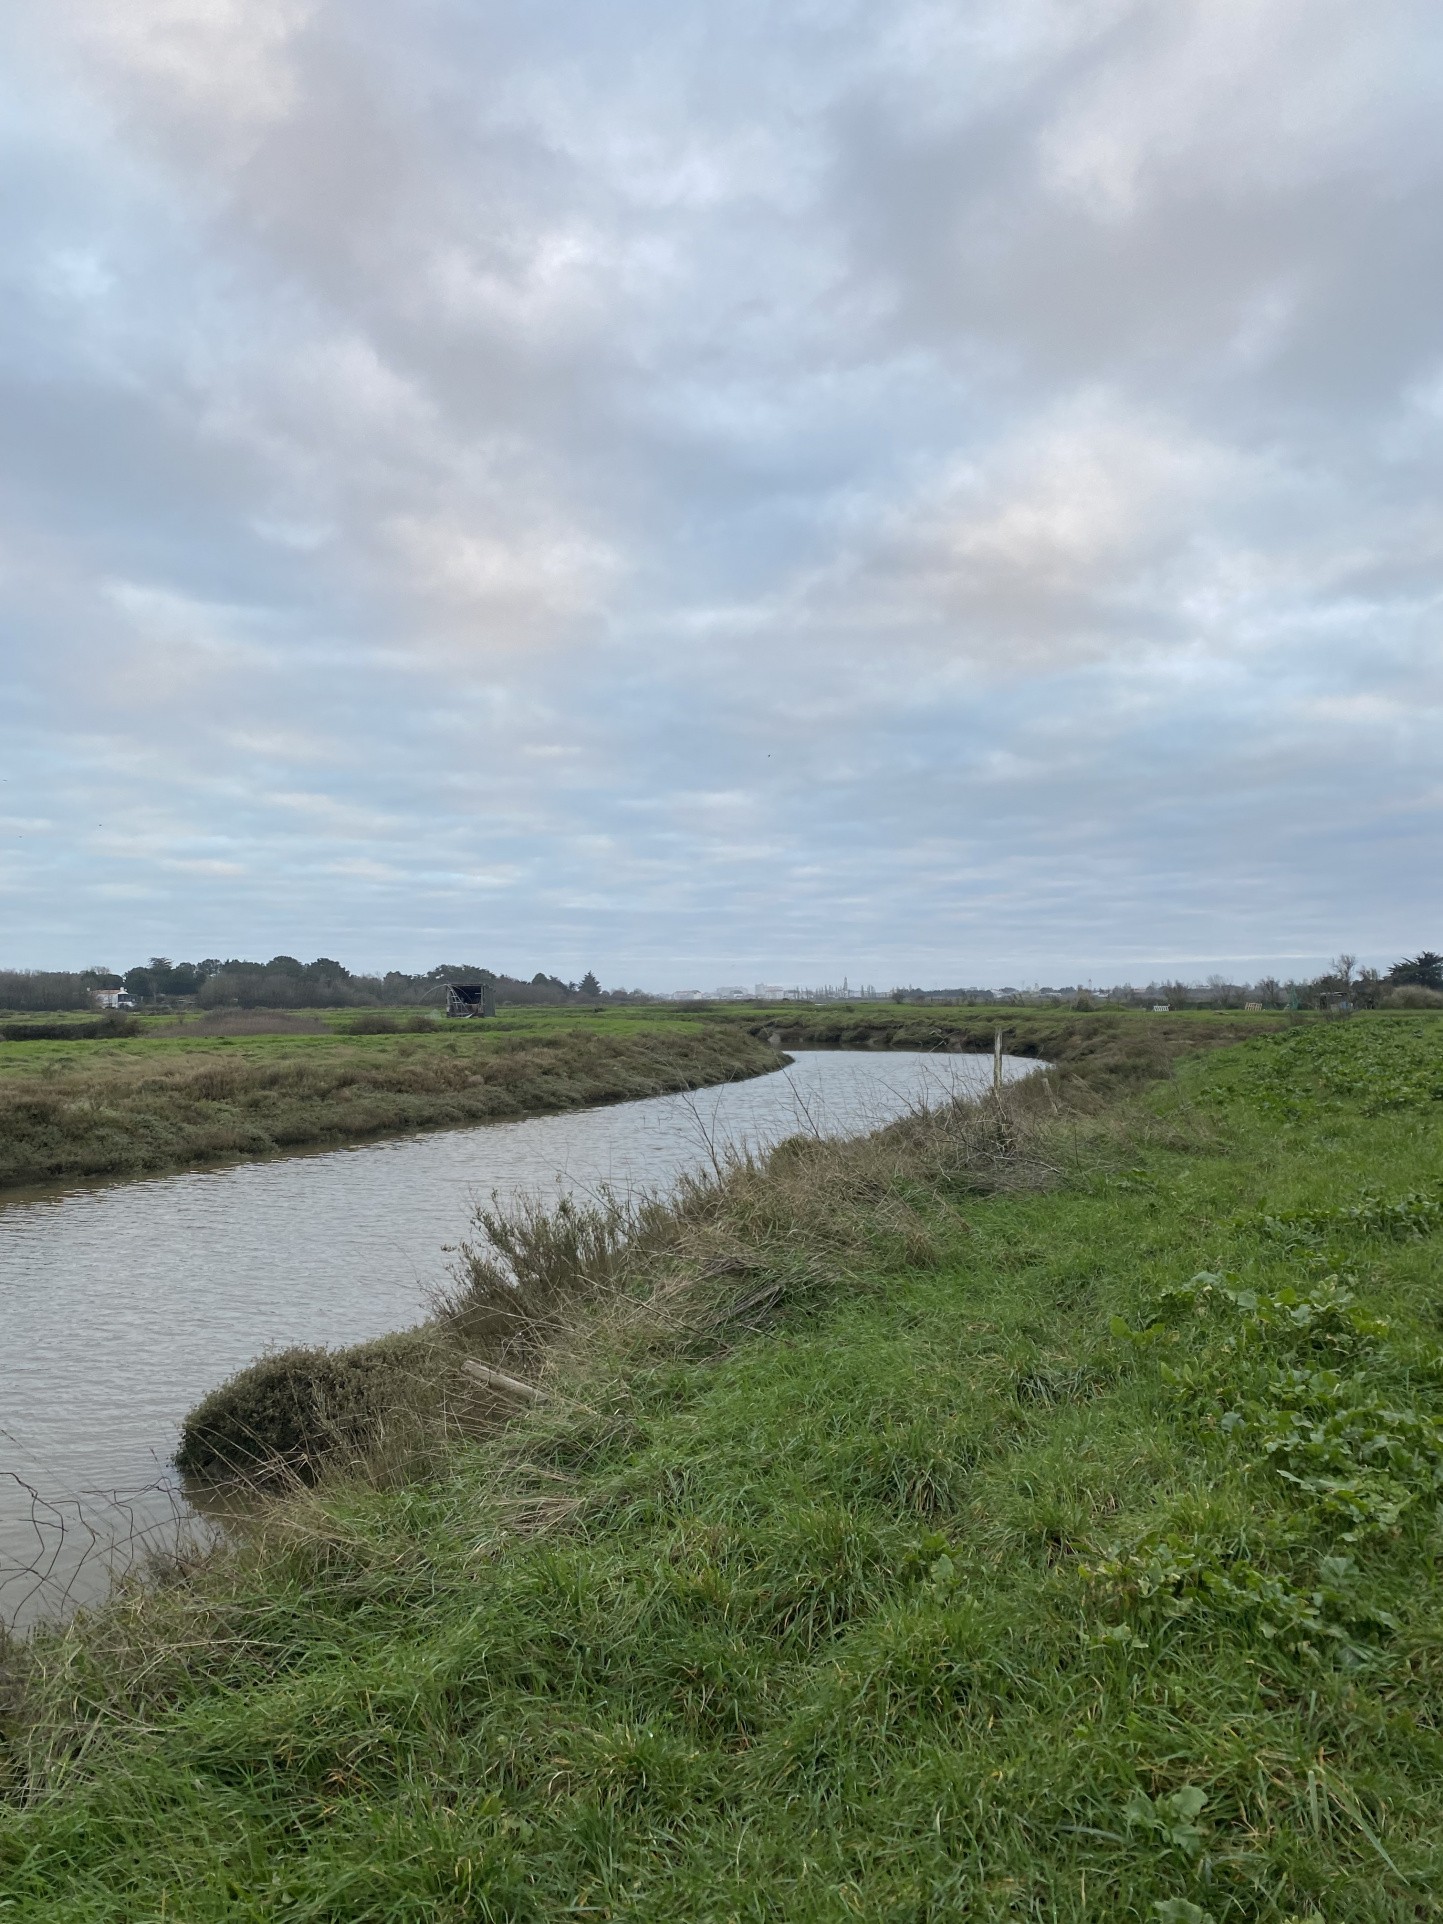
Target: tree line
point(1416, 981)
point(284, 982)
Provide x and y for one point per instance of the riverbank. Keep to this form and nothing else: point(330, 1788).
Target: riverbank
point(1027, 1512)
point(1102, 1050)
point(170, 1098)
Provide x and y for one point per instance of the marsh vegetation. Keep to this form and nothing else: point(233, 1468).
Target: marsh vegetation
point(1030, 1511)
point(248, 1085)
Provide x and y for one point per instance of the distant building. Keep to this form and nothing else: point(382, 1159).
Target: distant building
point(732, 992)
point(111, 999)
point(1253, 1008)
point(1161, 1008)
point(470, 998)
point(768, 992)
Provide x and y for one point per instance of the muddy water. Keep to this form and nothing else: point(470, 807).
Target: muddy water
point(120, 1306)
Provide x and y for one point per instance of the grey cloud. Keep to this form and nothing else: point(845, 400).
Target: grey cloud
point(932, 491)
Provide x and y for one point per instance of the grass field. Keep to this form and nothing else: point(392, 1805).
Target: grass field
point(182, 1093)
point(1029, 1513)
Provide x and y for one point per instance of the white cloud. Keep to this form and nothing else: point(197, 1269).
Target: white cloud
point(1071, 538)
point(1233, 96)
point(223, 66)
point(508, 589)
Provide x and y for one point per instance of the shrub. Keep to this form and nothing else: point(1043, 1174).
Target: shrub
point(98, 1031)
point(1413, 996)
point(289, 1414)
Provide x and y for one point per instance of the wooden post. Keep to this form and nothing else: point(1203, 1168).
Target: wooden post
point(503, 1384)
point(997, 1064)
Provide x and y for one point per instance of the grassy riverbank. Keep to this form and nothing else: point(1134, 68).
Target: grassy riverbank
point(174, 1095)
point(1027, 1513)
point(1105, 1050)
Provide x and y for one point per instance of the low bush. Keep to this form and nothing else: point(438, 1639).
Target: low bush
point(103, 1028)
point(285, 1417)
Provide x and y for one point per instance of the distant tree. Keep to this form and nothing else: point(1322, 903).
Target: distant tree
point(1421, 971)
point(588, 985)
point(1270, 991)
point(140, 985)
point(1368, 989)
point(42, 989)
point(176, 978)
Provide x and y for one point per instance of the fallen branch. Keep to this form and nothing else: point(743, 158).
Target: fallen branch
point(503, 1384)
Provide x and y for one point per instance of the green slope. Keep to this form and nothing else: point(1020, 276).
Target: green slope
point(1064, 1546)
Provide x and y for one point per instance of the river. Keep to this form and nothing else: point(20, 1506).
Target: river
point(121, 1304)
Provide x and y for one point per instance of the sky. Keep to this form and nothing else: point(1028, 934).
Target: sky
point(931, 493)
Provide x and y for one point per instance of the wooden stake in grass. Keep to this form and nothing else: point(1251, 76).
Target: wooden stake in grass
point(997, 1064)
point(503, 1384)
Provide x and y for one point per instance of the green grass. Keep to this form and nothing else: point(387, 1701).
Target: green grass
point(160, 1100)
point(1066, 1547)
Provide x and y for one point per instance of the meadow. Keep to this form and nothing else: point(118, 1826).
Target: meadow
point(1031, 1511)
point(177, 1093)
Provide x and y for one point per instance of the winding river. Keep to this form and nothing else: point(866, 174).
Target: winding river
point(121, 1304)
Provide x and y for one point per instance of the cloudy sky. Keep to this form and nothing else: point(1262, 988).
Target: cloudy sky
point(931, 492)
